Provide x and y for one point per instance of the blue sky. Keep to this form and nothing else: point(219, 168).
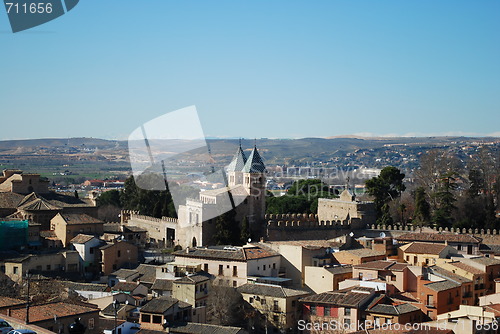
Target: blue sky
point(283, 69)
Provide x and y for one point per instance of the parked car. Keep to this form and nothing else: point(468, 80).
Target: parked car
point(21, 331)
point(4, 327)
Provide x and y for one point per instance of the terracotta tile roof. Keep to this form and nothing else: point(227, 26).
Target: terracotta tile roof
point(163, 285)
point(48, 234)
point(147, 273)
point(242, 254)
point(361, 252)
point(270, 290)
point(39, 204)
point(7, 301)
point(487, 261)
point(125, 286)
point(252, 253)
point(195, 278)
point(48, 311)
point(382, 265)
point(81, 239)
point(494, 249)
point(425, 248)
point(159, 305)
point(393, 309)
point(110, 309)
point(10, 200)
point(346, 297)
point(126, 274)
point(75, 286)
point(438, 271)
point(439, 237)
point(79, 219)
point(467, 268)
point(442, 285)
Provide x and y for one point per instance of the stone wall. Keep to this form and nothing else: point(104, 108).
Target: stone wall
point(307, 226)
point(489, 236)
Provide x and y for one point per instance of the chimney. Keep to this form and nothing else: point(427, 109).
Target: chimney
point(187, 250)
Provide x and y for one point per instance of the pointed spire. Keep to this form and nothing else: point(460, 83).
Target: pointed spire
point(254, 163)
point(238, 161)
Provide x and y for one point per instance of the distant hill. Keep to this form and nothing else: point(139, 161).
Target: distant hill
point(93, 156)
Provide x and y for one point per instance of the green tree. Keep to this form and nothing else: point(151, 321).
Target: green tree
point(110, 197)
point(245, 231)
point(227, 231)
point(154, 203)
point(422, 213)
point(446, 199)
point(385, 188)
point(302, 197)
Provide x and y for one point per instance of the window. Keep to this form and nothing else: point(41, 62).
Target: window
point(264, 268)
point(274, 265)
point(234, 284)
point(15, 270)
point(146, 318)
point(91, 250)
point(221, 269)
point(235, 271)
point(119, 253)
point(157, 319)
point(91, 323)
point(48, 267)
point(313, 309)
point(294, 302)
point(347, 323)
point(430, 300)
point(276, 318)
point(263, 301)
point(250, 300)
point(347, 311)
point(227, 267)
point(327, 311)
point(205, 267)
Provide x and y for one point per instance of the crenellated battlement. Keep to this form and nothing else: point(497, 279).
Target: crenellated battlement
point(308, 221)
point(126, 215)
point(440, 229)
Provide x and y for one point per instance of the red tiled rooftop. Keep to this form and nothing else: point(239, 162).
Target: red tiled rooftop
point(439, 237)
point(425, 248)
point(7, 301)
point(467, 268)
point(48, 311)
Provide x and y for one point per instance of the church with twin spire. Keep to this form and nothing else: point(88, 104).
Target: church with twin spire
point(245, 193)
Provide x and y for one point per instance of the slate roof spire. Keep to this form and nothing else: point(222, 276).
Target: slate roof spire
point(238, 161)
point(254, 163)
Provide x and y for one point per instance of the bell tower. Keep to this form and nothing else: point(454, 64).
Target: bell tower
point(254, 181)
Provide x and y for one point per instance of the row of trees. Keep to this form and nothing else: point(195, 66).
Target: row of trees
point(444, 191)
point(302, 197)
